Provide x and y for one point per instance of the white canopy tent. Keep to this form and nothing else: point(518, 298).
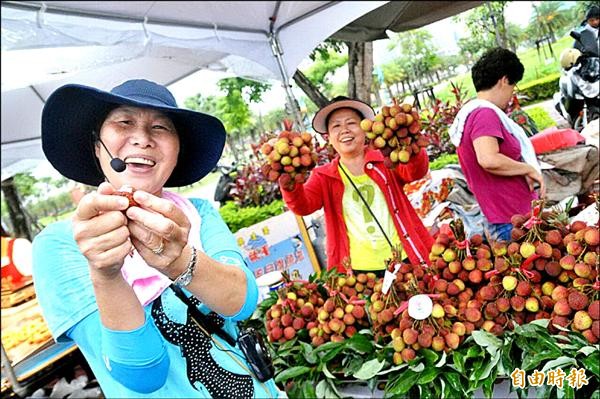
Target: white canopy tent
point(103, 43)
point(48, 44)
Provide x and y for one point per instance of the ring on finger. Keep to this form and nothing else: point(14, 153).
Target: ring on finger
point(160, 248)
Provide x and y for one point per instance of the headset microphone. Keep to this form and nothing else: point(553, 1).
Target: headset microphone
point(117, 164)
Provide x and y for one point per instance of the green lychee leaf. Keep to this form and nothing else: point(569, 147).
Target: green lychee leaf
point(459, 361)
point(369, 369)
point(326, 389)
point(360, 343)
point(490, 342)
point(592, 363)
point(428, 375)
point(429, 356)
point(291, 373)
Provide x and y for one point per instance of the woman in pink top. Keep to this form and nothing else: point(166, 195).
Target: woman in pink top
point(497, 163)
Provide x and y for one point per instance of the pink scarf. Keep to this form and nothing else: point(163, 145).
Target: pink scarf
point(147, 282)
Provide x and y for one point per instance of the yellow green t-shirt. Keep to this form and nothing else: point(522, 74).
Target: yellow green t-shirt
point(368, 247)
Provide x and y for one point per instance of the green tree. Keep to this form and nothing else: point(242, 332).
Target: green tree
point(232, 109)
point(514, 35)
point(393, 75)
point(486, 26)
point(549, 16)
point(580, 9)
point(417, 54)
point(272, 120)
point(25, 184)
point(311, 86)
point(323, 68)
point(20, 221)
point(207, 104)
point(450, 62)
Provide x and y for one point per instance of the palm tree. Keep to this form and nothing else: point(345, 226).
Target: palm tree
point(550, 16)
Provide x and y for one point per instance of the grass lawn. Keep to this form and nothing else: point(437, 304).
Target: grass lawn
point(535, 67)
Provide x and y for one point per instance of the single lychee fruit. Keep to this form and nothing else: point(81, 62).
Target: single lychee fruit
point(523, 288)
point(473, 315)
point(591, 236)
point(560, 292)
point(561, 307)
point(488, 292)
point(289, 332)
point(408, 354)
point(582, 320)
point(594, 310)
point(596, 328)
point(503, 304)
point(476, 239)
point(491, 311)
point(452, 340)
point(574, 248)
point(553, 237)
point(544, 250)
point(577, 300)
point(517, 220)
point(532, 304)
point(577, 225)
point(410, 336)
point(589, 335)
point(516, 234)
point(501, 264)
point(517, 303)
point(567, 262)
point(509, 283)
point(425, 339)
point(527, 249)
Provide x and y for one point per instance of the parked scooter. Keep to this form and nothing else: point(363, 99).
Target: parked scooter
point(577, 101)
point(226, 182)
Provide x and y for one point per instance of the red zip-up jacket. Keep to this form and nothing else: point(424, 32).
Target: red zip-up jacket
point(325, 189)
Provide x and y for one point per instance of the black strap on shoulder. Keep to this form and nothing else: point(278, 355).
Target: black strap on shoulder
point(204, 321)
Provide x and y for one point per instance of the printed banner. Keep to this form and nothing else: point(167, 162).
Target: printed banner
point(276, 244)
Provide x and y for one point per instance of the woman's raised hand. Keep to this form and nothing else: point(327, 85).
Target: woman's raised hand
point(159, 231)
point(100, 230)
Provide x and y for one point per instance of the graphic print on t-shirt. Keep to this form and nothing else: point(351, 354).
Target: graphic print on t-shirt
point(195, 347)
point(368, 193)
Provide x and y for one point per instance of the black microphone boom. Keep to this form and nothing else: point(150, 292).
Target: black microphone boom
point(117, 164)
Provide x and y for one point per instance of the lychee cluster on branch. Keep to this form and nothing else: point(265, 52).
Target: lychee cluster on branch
point(396, 132)
point(290, 156)
point(549, 270)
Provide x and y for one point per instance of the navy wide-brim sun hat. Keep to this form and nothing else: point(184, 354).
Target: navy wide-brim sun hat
point(73, 111)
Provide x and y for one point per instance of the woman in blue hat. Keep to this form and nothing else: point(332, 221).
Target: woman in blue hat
point(124, 278)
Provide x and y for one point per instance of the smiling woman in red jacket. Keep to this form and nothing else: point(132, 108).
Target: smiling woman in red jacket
point(366, 210)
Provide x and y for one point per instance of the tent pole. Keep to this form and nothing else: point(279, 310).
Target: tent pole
point(276, 49)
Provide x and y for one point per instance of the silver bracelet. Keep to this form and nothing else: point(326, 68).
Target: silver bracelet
point(186, 277)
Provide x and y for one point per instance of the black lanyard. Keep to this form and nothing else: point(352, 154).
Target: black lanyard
point(367, 205)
